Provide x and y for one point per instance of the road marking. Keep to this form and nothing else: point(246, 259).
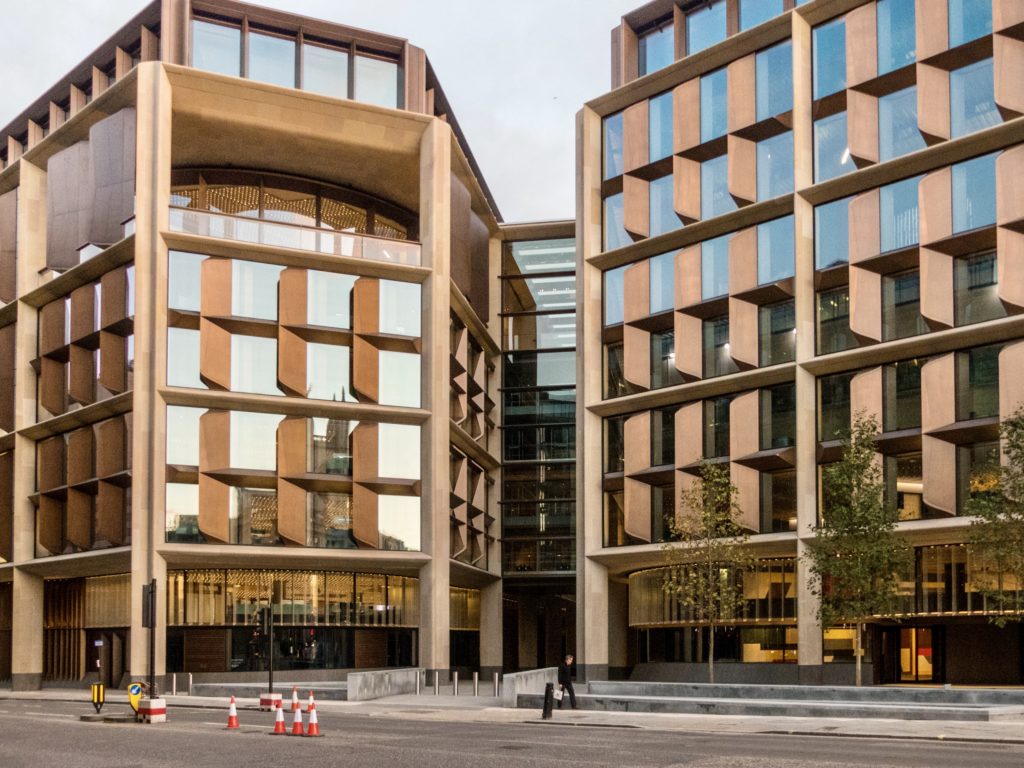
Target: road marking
point(246, 727)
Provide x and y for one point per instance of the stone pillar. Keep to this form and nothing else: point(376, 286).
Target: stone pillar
point(491, 630)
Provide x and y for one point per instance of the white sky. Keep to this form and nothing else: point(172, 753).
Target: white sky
point(515, 72)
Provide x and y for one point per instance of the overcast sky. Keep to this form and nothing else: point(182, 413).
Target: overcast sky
point(515, 72)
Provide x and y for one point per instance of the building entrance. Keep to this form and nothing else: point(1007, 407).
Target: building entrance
point(910, 655)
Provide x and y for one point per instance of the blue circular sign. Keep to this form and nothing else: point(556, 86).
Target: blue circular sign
point(134, 689)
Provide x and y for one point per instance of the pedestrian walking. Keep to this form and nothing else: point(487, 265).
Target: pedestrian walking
point(565, 681)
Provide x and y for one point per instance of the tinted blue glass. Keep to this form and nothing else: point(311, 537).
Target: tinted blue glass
point(663, 276)
point(832, 233)
point(657, 50)
point(714, 105)
point(829, 58)
point(974, 193)
point(831, 148)
point(775, 250)
point(216, 48)
point(775, 80)
point(897, 124)
point(896, 43)
point(969, 20)
point(714, 267)
point(615, 235)
point(662, 207)
point(714, 188)
point(614, 286)
point(613, 146)
point(971, 99)
point(754, 12)
point(898, 214)
point(272, 59)
point(705, 27)
point(659, 120)
point(775, 166)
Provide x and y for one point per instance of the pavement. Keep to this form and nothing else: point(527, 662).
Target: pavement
point(465, 708)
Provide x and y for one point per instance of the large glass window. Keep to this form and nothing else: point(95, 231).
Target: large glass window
point(400, 307)
point(705, 26)
point(254, 365)
point(974, 193)
point(329, 299)
point(898, 213)
point(613, 145)
point(398, 520)
point(831, 234)
point(972, 99)
point(399, 378)
point(535, 294)
point(216, 48)
point(775, 166)
point(901, 306)
point(904, 486)
point(184, 280)
point(716, 427)
point(829, 44)
point(183, 514)
point(977, 471)
point(976, 289)
point(377, 81)
point(834, 333)
point(253, 441)
point(714, 267)
point(831, 148)
point(662, 282)
point(714, 188)
point(663, 437)
point(901, 407)
point(662, 206)
point(272, 59)
point(615, 235)
point(778, 417)
point(328, 372)
point(659, 121)
point(657, 49)
point(754, 12)
point(663, 360)
point(614, 444)
point(834, 406)
point(183, 358)
point(896, 34)
point(969, 20)
point(778, 501)
point(539, 369)
point(398, 451)
point(330, 446)
point(614, 298)
point(774, 73)
point(775, 250)
point(615, 384)
point(183, 436)
point(778, 333)
point(325, 71)
point(897, 124)
point(977, 389)
point(717, 360)
point(254, 289)
point(714, 105)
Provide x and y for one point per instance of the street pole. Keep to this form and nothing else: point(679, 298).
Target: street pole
point(149, 621)
point(270, 621)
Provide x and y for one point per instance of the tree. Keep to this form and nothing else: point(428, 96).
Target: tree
point(997, 532)
point(708, 557)
point(856, 556)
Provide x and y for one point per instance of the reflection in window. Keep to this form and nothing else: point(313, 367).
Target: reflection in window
point(778, 417)
point(754, 12)
point(976, 289)
point(663, 360)
point(328, 373)
point(705, 26)
point(253, 440)
point(183, 436)
point(831, 234)
point(615, 235)
point(834, 333)
point(714, 105)
point(829, 43)
point(613, 146)
point(540, 256)
point(977, 383)
point(901, 405)
point(615, 519)
point(182, 514)
point(254, 365)
point(714, 267)
point(778, 333)
point(400, 308)
point(662, 278)
point(330, 520)
point(775, 166)
point(663, 437)
point(330, 446)
point(398, 518)
point(325, 71)
point(904, 486)
point(216, 48)
point(774, 73)
point(398, 451)
point(184, 280)
point(897, 124)
point(974, 193)
point(901, 306)
point(969, 20)
point(778, 501)
point(538, 294)
point(613, 295)
point(183, 358)
point(834, 406)
point(252, 517)
point(977, 469)
point(399, 379)
point(896, 34)
point(377, 81)
point(717, 360)
point(539, 331)
point(254, 289)
point(775, 250)
point(972, 100)
point(716, 427)
point(831, 148)
point(329, 299)
point(714, 188)
point(614, 444)
point(898, 213)
point(659, 120)
point(272, 59)
point(662, 206)
point(615, 384)
point(657, 49)
point(539, 369)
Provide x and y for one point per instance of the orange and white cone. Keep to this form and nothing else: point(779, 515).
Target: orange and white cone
point(297, 723)
point(295, 698)
point(279, 729)
point(314, 726)
point(232, 715)
point(309, 704)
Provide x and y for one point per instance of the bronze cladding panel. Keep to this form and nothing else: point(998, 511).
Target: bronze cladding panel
point(112, 144)
point(630, 55)
point(415, 79)
point(862, 126)
point(291, 362)
point(479, 288)
point(69, 202)
point(113, 362)
point(636, 354)
point(686, 115)
point(748, 495)
point(461, 258)
point(637, 438)
point(53, 386)
point(1010, 186)
point(745, 410)
point(7, 362)
point(110, 517)
point(689, 352)
point(865, 239)
point(617, 75)
point(214, 496)
point(215, 289)
point(50, 468)
point(365, 370)
point(861, 45)
point(214, 355)
point(1008, 62)
point(1010, 265)
point(6, 505)
point(50, 524)
point(111, 448)
point(938, 459)
point(78, 511)
point(866, 304)
point(689, 444)
point(292, 437)
point(637, 291)
point(365, 450)
point(935, 201)
point(82, 375)
point(114, 301)
point(291, 513)
point(1011, 380)
point(636, 136)
point(8, 245)
point(742, 169)
point(636, 206)
point(932, 21)
point(743, 333)
point(83, 311)
point(292, 287)
point(933, 100)
point(742, 93)
point(938, 392)
point(866, 393)
point(936, 270)
point(460, 483)
point(743, 261)
point(686, 192)
point(81, 457)
point(291, 462)
point(687, 272)
point(366, 305)
point(1006, 13)
point(51, 326)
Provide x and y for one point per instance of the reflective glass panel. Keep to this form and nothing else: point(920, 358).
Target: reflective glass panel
point(897, 124)
point(541, 256)
point(399, 379)
point(717, 360)
point(254, 289)
point(714, 188)
point(657, 49)
point(330, 446)
point(714, 105)
point(659, 120)
point(976, 289)
point(614, 444)
point(398, 451)
point(834, 406)
point(254, 365)
point(714, 267)
point(774, 72)
point(252, 516)
point(754, 12)
point(969, 20)
point(974, 193)
point(896, 34)
point(254, 440)
point(831, 148)
point(328, 372)
point(183, 513)
point(539, 331)
point(183, 358)
point(829, 45)
point(831, 233)
point(330, 520)
point(662, 269)
point(834, 333)
point(898, 213)
point(272, 59)
point(400, 308)
point(538, 294)
point(705, 26)
point(775, 166)
point(539, 369)
point(398, 519)
point(972, 100)
point(615, 235)
point(329, 299)
point(901, 306)
point(183, 435)
point(778, 333)
point(663, 436)
point(613, 146)
point(325, 71)
point(901, 407)
point(184, 280)
point(662, 206)
point(716, 427)
point(663, 360)
point(978, 383)
point(775, 254)
point(216, 48)
point(613, 295)
point(778, 417)
point(376, 81)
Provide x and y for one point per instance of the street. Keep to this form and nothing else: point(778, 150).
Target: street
point(34, 734)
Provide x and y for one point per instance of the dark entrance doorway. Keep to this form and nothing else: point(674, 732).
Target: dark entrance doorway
point(911, 654)
point(110, 648)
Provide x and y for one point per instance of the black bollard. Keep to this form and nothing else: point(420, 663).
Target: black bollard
point(549, 701)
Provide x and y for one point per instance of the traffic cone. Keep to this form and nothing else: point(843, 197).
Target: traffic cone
point(309, 704)
point(295, 698)
point(232, 715)
point(297, 722)
point(279, 729)
point(314, 725)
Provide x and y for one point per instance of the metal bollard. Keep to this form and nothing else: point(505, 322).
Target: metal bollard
point(174, 684)
point(455, 683)
point(437, 683)
point(189, 683)
point(418, 680)
point(476, 683)
point(495, 685)
point(549, 701)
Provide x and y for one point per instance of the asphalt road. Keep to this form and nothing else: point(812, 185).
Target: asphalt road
point(49, 735)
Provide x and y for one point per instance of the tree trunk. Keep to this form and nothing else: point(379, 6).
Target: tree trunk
point(711, 654)
point(856, 652)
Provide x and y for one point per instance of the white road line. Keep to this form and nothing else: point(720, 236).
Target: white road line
point(245, 727)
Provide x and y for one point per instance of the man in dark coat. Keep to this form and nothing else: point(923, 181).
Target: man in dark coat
point(565, 681)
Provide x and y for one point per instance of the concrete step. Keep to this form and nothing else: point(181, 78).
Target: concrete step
point(328, 691)
point(784, 708)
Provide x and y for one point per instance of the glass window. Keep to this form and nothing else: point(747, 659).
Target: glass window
point(778, 333)
point(253, 440)
point(615, 384)
point(716, 427)
point(904, 486)
point(972, 100)
point(399, 379)
point(663, 437)
point(774, 72)
point(717, 360)
point(897, 124)
point(775, 166)
point(539, 331)
point(705, 27)
point(898, 211)
point(254, 289)
point(183, 358)
point(614, 444)
point(714, 267)
point(539, 369)
point(977, 387)
point(216, 48)
point(400, 308)
point(829, 43)
point(976, 289)
point(657, 49)
point(184, 280)
point(662, 206)
point(754, 12)
point(254, 365)
point(615, 235)
point(974, 193)
point(714, 188)
point(977, 471)
point(714, 105)
point(613, 146)
point(834, 406)
point(398, 451)
point(329, 299)
point(901, 408)
point(659, 121)
point(831, 148)
point(969, 20)
point(183, 436)
point(896, 34)
point(540, 256)
point(663, 360)
point(377, 81)
point(831, 234)
point(775, 250)
point(328, 372)
point(663, 282)
point(901, 306)
point(183, 514)
point(325, 71)
point(778, 504)
point(834, 333)
point(614, 300)
point(330, 446)
point(398, 520)
point(778, 417)
point(272, 59)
